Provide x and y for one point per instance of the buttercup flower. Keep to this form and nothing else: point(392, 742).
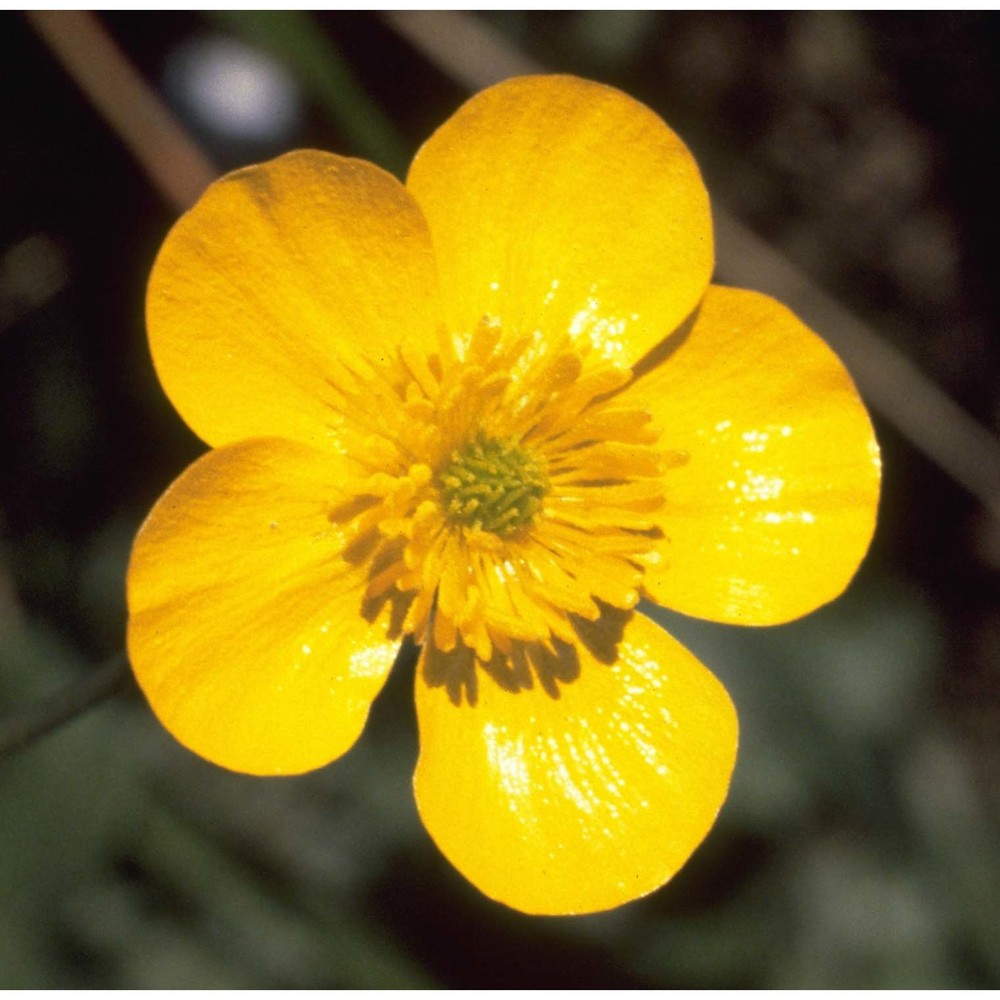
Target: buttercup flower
point(492, 409)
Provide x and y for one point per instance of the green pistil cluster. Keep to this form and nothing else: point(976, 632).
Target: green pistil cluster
point(493, 484)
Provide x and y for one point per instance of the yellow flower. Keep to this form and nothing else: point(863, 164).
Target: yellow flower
point(491, 409)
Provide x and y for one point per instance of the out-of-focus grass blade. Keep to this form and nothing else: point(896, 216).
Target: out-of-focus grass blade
point(296, 39)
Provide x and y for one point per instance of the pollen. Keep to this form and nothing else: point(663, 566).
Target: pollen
point(492, 484)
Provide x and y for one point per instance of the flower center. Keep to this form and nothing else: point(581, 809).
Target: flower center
point(492, 484)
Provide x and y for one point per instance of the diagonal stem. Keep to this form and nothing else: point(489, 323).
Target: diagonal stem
point(21, 728)
point(172, 160)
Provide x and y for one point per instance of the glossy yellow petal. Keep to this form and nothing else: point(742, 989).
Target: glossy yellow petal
point(584, 801)
point(774, 508)
point(276, 274)
point(246, 630)
point(559, 204)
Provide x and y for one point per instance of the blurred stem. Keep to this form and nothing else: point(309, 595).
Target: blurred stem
point(180, 171)
point(299, 42)
point(171, 159)
point(22, 728)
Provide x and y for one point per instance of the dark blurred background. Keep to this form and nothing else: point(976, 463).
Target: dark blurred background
point(860, 845)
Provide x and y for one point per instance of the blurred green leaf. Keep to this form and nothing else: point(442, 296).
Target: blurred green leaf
point(612, 37)
point(266, 933)
point(825, 702)
point(65, 802)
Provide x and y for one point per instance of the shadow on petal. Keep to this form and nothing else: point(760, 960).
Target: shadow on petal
point(399, 604)
point(670, 344)
point(549, 666)
point(454, 670)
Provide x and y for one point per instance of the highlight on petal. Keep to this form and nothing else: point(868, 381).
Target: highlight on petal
point(277, 273)
point(247, 630)
point(558, 204)
point(774, 508)
point(588, 790)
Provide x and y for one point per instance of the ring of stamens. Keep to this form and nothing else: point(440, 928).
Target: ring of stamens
point(524, 495)
point(492, 484)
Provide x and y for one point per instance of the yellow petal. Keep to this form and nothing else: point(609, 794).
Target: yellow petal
point(581, 802)
point(246, 630)
point(774, 508)
point(277, 272)
point(559, 204)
